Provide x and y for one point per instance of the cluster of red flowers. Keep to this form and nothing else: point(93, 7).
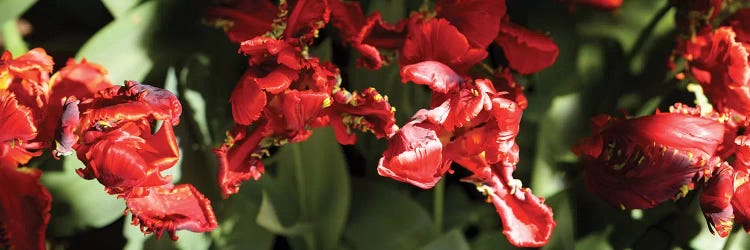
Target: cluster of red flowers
point(641, 162)
point(472, 120)
point(109, 127)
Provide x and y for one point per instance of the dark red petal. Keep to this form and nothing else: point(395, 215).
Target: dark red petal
point(24, 208)
point(527, 51)
point(505, 82)
point(414, 154)
point(244, 20)
point(716, 200)
point(306, 18)
point(278, 80)
point(239, 158)
point(438, 76)
point(247, 100)
point(16, 122)
point(438, 40)
point(740, 22)
point(741, 201)
point(367, 111)
point(171, 208)
point(478, 20)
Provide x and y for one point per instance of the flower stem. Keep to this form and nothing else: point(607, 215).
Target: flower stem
point(646, 32)
point(730, 239)
point(437, 205)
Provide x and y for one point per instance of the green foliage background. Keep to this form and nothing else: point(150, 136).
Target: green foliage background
point(320, 195)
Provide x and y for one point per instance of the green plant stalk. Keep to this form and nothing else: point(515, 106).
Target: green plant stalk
point(646, 32)
point(308, 236)
point(12, 39)
point(438, 204)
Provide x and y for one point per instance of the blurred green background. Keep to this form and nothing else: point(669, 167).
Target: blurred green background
point(320, 195)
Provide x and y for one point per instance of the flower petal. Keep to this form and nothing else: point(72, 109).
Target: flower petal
point(171, 208)
point(247, 100)
point(438, 76)
point(438, 40)
point(527, 51)
point(478, 20)
point(24, 208)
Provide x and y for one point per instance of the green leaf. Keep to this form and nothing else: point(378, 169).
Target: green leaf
point(383, 218)
point(268, 219)
point(596, 240)
point(121, 46)
point(452, 240)
point(12, 38)
point(315, 173)
point(12, 9)
point(237, 227)
point(78, 203)
point(119, 8)
point(491, 241)
point(562, 236)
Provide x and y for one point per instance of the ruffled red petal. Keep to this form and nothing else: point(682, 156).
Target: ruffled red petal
point(527, 51)
point(478, 20)
point(299, 108)
point(307, 17)
point(367, 111)
point(18, 130)
point(438, 40)
point(741, 201)
point(239, 158)
point(248, 101)
point(716, 200)
point(171, 208)
point(24, 208)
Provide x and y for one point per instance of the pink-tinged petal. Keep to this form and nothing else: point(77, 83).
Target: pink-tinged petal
point(438, 76)
point(415, 154)
point(164, 103)
point(24, 208)
point(171, 208)
point(438, 40)
point(370, 57)
point(243, 20)
point(478, 20)
point(299, 108)
point(716, 200)
point(247, 100)
point(239, 158)
point(307, 17)
point(69, 122)
point(527, 51)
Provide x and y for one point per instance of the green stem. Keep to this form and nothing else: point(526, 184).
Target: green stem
point(730, 239)
point(308, 236)
point(437, 205)
point(646, 32)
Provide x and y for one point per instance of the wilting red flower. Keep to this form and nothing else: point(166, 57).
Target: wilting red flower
point(641, 162)
point(478, 20)
point(527, 51)
point(118, 148)
point(366, 34)
point(438, 40)
point(720, 64)
point(24, 208)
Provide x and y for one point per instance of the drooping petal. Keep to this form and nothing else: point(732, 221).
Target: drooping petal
point(367, 111)
point(171, 208)
point(415, 154)
point(239, 158)
point(438, 76)
point(307, 17)
point(24, 208)
point(163, 103)
point(438, 40)
point(478, 20)
point(527, 51)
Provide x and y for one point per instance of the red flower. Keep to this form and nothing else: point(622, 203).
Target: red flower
point(118, 149)
point(720, 64)
point(716, 201)
point(478, 20)
point(24, 208)
point(638, 163)
point(18, 129)
point(527, 51)
point(367, 111)
point(27, 78)
point(306, 18)
point(438, 40)
point(366, 34)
